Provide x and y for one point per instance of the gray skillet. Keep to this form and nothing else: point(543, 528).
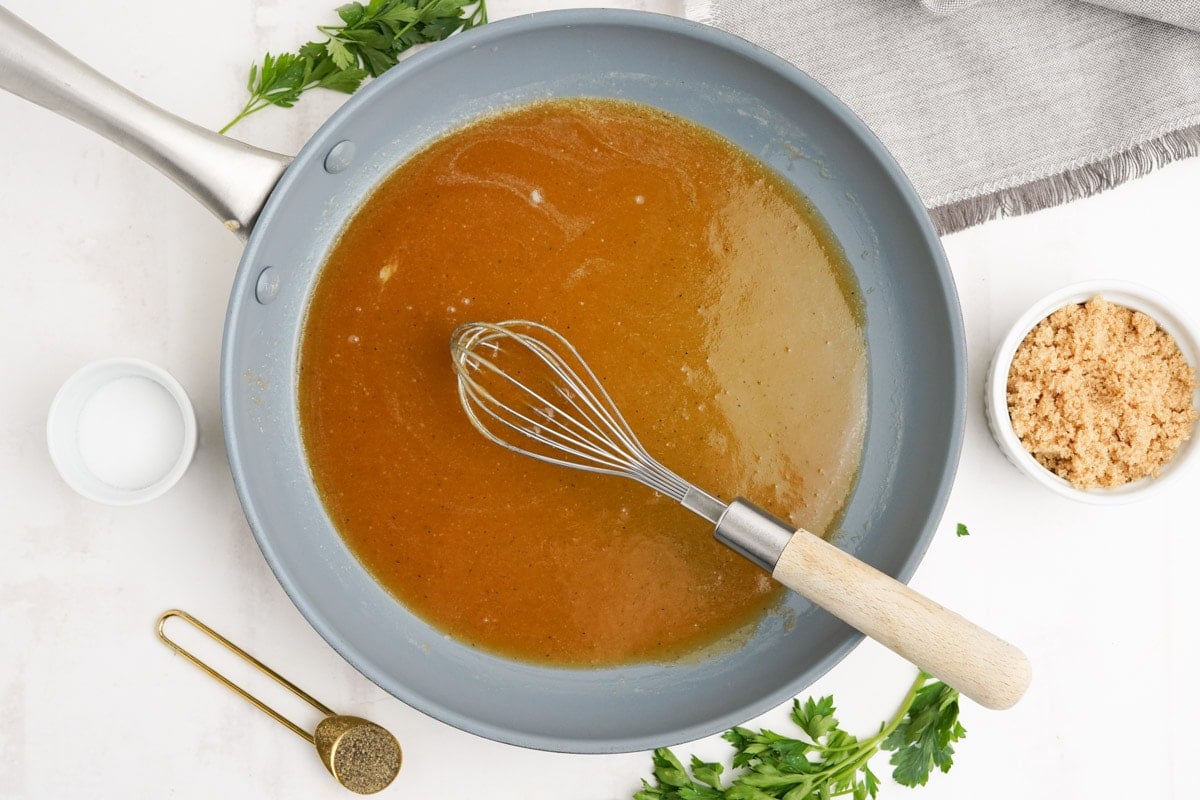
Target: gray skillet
point(769, 108)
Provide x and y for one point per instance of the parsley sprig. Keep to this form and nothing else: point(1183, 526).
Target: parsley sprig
point(828, 763)
point(368, 42)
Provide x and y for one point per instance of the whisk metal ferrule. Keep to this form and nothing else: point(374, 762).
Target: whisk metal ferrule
point(742, 526)
point(753, 533)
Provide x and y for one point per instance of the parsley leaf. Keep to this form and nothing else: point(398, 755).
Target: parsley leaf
point(923, 739)
point(962, 530)
point(828, 762)
point(367, 43)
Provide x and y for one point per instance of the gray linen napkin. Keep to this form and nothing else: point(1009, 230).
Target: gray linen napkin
point(997, 108)
point(1185, 14)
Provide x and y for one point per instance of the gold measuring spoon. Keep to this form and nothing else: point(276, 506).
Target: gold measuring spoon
point(364, 757)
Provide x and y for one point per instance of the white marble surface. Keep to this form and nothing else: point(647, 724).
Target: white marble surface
point(99, 256)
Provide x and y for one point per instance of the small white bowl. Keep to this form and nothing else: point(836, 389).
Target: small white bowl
point(113, 433)
point(1130, 295)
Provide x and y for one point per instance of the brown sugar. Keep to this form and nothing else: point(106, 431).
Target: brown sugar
point(1101, 395)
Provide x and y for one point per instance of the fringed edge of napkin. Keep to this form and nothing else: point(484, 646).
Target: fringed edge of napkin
point(699, 11)
point(1074, 183)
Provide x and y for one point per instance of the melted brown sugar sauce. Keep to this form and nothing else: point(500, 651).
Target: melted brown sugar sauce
point(711, 303)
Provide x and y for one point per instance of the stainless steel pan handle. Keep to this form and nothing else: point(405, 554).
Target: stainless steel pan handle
point(232, 179)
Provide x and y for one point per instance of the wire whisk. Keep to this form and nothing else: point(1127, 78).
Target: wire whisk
point(526, 388)
point(522, 381)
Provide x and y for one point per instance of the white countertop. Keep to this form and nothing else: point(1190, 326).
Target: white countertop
point(100, 255)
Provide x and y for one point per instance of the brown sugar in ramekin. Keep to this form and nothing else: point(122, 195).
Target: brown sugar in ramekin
point(1101, 395)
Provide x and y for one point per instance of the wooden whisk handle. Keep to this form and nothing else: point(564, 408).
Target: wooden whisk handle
point(982, 666)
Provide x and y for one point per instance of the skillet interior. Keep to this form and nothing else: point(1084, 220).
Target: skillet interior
point(914, 338)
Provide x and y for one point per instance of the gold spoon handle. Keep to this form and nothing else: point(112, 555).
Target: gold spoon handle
point(282, 681)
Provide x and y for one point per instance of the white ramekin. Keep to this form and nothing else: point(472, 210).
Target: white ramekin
point(62, 430)
point(1130, 295)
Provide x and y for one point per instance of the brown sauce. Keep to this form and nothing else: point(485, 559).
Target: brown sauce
point(703, 290)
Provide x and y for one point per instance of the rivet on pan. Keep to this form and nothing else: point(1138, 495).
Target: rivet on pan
point(340, 156)
point(267, 288)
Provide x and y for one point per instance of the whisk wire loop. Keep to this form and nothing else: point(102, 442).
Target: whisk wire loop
point(575, 419)
point(549, 429)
